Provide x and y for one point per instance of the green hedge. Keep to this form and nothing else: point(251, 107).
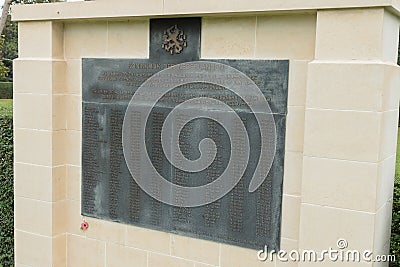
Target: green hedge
point(6, 90)
point(395, 238)
point(6, 188)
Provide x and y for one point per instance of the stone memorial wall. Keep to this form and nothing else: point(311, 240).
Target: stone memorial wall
point(327, 78)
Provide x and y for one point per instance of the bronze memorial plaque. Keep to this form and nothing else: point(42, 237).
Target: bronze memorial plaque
point(185, 145)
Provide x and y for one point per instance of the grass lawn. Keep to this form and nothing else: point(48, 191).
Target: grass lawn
point(6, 106)
point(6, 103)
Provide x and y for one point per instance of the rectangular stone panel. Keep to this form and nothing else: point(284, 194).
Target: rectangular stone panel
point(240, 217)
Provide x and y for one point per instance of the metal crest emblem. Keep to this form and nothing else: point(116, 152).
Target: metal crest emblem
point(174, 40)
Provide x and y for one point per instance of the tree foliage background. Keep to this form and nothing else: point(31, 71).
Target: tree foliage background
point(9, 49)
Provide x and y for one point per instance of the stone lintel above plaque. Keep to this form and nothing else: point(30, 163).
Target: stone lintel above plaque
point(105, 9)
